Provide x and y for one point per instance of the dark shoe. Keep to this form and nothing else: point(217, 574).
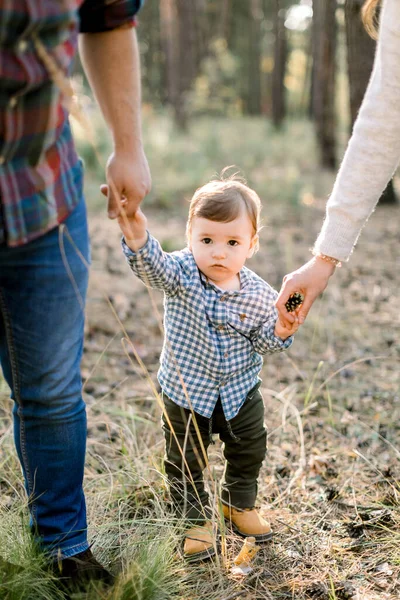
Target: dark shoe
point(76, 572)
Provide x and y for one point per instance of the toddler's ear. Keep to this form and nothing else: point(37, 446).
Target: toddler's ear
point(253, 245)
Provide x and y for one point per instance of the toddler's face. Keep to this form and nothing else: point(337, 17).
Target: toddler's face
point(221, 249)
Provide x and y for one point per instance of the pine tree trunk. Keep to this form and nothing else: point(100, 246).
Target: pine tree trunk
point(254, 72)
point(278, 75)
point(360, 60)
point(168, 29)
point(323, 80)
point(224, 22)
point(181, 44)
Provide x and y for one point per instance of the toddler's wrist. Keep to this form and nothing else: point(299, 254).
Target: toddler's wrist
point(136, 244)
point(281, 332)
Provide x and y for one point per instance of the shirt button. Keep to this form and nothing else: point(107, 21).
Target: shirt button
point(222, 299)
point(221, 327)
point(226, 354)
point(22, 46)
point(12, 102)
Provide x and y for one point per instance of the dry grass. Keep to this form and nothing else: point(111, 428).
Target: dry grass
point(330, 484)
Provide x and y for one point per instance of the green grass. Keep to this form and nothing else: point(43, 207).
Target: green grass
point(24, 573)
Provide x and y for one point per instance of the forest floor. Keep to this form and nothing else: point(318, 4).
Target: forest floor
point(330, 484)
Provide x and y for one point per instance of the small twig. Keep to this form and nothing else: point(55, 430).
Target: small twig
point(244, 591)
point(235, 595)
point(288, 526)
point(303, 412)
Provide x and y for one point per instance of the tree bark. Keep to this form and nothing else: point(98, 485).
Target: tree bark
point(181, 40)
point(224, 22)
point(254, 72)
point(278, 75)
point(360, 61)
point(323, 81)
point(168, 29)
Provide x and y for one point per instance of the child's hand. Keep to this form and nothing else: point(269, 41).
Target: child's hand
point(134, 228)
point(284, 332)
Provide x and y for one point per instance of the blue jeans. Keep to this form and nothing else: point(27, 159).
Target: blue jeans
point(42, 295)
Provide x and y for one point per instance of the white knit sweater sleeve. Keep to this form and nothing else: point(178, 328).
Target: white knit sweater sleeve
point(373, 152)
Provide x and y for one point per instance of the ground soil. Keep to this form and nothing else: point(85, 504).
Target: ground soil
point(330, 484)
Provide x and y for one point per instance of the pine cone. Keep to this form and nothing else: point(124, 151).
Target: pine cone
point(294, 301)
point(318, 591)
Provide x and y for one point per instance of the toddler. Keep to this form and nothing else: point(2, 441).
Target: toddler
point(219, 320)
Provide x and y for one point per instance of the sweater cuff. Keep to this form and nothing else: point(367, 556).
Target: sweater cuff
point(336, 240)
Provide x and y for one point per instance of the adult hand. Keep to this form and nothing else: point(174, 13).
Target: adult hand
point(310, 280)
point(128, 177)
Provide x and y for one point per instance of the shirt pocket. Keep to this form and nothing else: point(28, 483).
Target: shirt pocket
point(242, 323)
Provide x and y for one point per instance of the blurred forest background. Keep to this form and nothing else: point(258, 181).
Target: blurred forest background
point(209, 62)
point(273, 87)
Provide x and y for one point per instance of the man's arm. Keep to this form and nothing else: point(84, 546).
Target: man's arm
point(112, 65)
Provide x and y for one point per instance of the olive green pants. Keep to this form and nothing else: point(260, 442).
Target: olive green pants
point(245, 443)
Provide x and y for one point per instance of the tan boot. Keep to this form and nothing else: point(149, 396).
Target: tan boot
point(248, 522)
point(199, 543)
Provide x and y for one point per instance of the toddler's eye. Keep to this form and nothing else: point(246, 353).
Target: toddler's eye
point(233, 243)
point(206, 240)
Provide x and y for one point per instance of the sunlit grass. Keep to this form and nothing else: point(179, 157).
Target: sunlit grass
point(331, 401)
point(24, 571)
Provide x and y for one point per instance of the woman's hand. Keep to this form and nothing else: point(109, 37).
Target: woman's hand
point(310, 280)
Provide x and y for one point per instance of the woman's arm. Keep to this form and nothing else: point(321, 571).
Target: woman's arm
point(369, 163)
point(373, 152)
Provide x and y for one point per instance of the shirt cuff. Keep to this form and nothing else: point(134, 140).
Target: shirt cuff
point(97, 16)
point(143, 252)
point(275, 341)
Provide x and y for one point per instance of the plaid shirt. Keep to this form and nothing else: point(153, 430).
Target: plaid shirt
point(40, 173)
point(214, 338)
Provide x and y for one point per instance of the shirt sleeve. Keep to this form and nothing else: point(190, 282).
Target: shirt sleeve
point(373, 152)
point(263, 338)
point(156, 268)
point(104, 15)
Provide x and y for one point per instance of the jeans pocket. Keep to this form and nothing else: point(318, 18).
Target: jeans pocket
point(254, 392)
point(171, 408)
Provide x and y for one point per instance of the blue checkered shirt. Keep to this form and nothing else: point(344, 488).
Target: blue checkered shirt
point(214, 338)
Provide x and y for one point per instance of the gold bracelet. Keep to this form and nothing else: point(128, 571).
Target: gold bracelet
point(326, 258)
